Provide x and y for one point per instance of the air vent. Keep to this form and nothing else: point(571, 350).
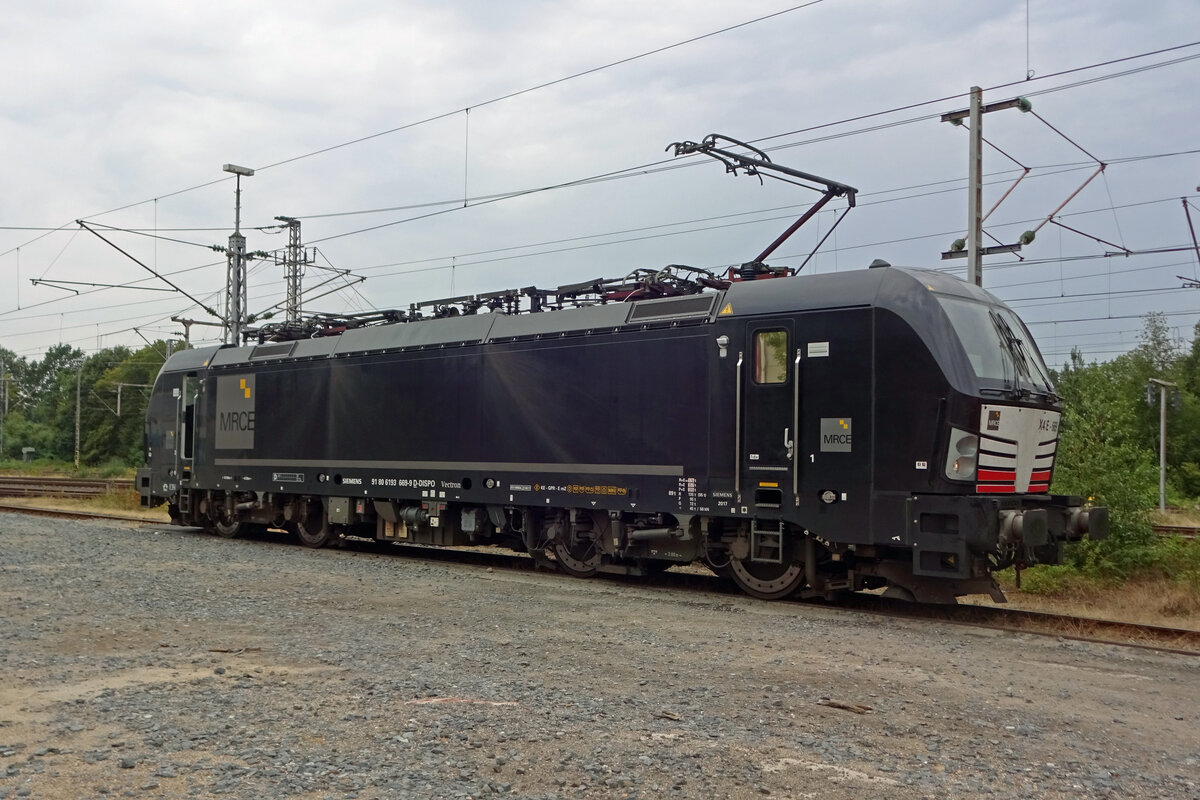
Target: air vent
point(673, 308)
point(274, 350)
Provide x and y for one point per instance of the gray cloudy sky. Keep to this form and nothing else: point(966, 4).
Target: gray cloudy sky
point(123, 112)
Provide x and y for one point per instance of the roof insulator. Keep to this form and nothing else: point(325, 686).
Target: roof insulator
point(879, 262)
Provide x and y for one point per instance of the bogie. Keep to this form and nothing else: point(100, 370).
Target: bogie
point(312, 526)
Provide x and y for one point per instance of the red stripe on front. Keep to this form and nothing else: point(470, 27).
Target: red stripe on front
point(1040, 475)
point(1039, 487)
point(997, 475)
point(984, 488)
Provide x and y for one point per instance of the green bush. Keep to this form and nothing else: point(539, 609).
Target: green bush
point(112, 468)
point(1059, 580)
point(1091, 567)
point(1186, 478)
point(1179, 559)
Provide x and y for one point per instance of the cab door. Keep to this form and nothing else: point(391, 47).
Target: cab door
point(768, 412)
point(187, 428)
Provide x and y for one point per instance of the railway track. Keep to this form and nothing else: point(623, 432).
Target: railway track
point(20, 486)
point(1182, 531)
point(1183, 641)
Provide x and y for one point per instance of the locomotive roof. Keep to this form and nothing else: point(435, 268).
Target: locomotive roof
point(890, 287)
point(898, 289)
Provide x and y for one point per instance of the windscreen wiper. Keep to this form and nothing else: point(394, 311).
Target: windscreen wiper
point(1015, 347)
point(1016, 355)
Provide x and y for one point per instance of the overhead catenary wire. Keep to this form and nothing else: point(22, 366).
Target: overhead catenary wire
point(954, 182)
point(665, 165)
point(259, 266)
point(433, 266)
point(997, 87)
point(649, 168)
point(216, 263)
point(844, 121)
point(716, 218)
point(643, 169)
point(1048, 90)
point(1035, 322)
point(434, 118)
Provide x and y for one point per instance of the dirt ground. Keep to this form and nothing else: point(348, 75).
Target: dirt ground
point(1158, 604)
point(147, 662)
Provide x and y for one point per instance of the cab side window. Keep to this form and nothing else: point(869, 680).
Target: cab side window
point(770, 357)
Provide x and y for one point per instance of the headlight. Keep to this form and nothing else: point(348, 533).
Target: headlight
point(962, 455)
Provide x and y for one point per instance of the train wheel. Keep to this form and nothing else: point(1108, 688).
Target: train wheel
point(765, 580)
point(227, 528)
point(578, 557)
point(313, 526)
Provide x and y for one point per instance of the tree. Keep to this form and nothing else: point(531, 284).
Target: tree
point(1155, 345)
point(12, 372)
point(43, 402)
point(1109, 441)
point(43, 379)
point(1101, 456)
point(1184, 444)
point(130, 374)
point(20, 432)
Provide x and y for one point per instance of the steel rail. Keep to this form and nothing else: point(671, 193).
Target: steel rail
point(24, 486)
point(1182, 531)
point(1181, 641)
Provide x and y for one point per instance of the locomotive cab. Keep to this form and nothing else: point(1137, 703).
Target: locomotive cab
point(170, 431)
point(899, 427)
point(986, 504)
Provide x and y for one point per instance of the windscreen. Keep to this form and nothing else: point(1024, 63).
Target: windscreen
point(998, 345)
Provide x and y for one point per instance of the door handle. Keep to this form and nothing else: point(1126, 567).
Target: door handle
point(788, 443)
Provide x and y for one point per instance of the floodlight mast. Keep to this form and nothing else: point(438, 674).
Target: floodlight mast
point(235, 284)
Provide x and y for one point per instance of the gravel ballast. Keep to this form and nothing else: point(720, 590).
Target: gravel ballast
point(175, 664)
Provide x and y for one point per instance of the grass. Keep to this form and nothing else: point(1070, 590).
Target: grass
point(125, 503)
point(1185, 517)
point(1162, 589)
point(1132, 576)
point(64, 469)
point(1149, 601)
point(120, 500)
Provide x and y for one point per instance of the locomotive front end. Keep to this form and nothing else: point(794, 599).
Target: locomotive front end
point(1005, 462)
point(992, 507)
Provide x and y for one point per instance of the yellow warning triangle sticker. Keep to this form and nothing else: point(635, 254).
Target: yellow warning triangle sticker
point(728, 309)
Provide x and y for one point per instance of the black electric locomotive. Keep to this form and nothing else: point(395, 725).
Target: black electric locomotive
point(879, 427)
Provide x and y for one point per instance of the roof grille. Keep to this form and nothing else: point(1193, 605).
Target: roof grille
point(674, 308)
point(273, 350)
